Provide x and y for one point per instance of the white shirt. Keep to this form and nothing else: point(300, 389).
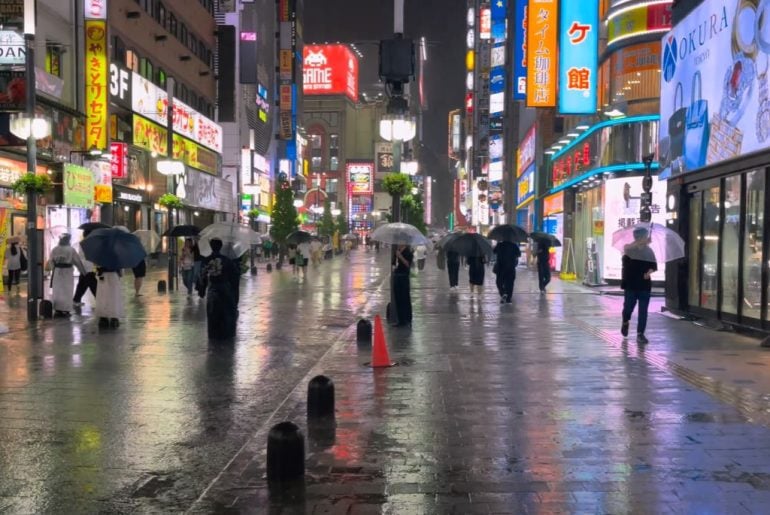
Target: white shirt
point(420, 251)
point(304, 249)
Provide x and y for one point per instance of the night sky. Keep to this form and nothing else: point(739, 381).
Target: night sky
point(442, 23)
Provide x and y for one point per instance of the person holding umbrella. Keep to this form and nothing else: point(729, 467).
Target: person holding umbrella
point(453, 268)
point(219, 283)
point(507, 257)
point(543, 255)
point(402, 261)
point(63, 259)
point(639, 262)
point(88, 280)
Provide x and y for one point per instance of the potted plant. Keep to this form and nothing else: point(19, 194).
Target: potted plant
point(32, 183)
point(170, 201)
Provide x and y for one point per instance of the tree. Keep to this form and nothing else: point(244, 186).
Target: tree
point(397, 185)
point(284, 216)
point(413, 211)
point(342, 224)
point(326, 226)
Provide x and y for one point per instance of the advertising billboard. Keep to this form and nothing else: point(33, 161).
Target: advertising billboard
point(622, 199)
point(526, 187)
point(330, 70)
point(360, 177)
point(714, 102)
point(520, 50)
point(526, 154)
point(542, 24)
point(578, 57)
point(638, 20)
point(97, 85)
point(78, 186)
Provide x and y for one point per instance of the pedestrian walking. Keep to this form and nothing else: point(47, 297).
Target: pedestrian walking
point(197, 262)
point(62, 261)
point(86, 281)
point(303, 256)
point(507, 258)
point(109, 297)
point(402, 262)
point(219, 283)
point(187, 264)
point(16, 260)
point(315, 250)
point(267, 246)
point(139, 271)
point(292, 253)
point(476, 265)
point(543, 255)
point(636, 282)
point(453, 268)
point(420, 253)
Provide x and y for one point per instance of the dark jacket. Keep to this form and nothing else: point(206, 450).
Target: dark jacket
point(507, 256)
point(633, 274)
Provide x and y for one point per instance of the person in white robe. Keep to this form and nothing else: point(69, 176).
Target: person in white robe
point(109, 298)
point(62, 262)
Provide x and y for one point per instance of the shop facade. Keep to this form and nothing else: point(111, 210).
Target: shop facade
point(717, 172)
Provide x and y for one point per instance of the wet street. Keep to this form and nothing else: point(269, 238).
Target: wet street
point(535, 407)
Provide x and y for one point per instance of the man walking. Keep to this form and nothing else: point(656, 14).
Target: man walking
point(507, 257)
point(638, 265)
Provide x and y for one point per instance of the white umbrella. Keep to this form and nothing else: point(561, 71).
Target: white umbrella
point(400, 234)
point(150, 239)
point(237, 239)
point(649, 242)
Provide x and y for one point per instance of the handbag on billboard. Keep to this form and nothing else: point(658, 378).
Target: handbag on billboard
point(696, 134)
point(676, 125)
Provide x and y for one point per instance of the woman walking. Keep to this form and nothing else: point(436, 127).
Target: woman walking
point(13, 257)
point(63, 259)
point(453, 269)
point(543, 265)
point(401, 291)
point(476, 265)
point(187, 264)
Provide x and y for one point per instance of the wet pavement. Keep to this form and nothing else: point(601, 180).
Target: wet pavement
point(535, 407)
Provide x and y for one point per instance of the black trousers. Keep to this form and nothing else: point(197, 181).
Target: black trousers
point(543, 273)
point(454, 273)
point(403, 298)
point(85, 282)
point(504, 282)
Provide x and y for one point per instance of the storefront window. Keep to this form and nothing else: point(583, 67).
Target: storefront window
point(752, 244)
point(731, 245)
point(696, 205)
point(710, 253)
point(634, 79)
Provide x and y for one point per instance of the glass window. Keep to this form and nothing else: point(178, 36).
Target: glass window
point(172, 25)
point(696, 207)
point(161, 78)
point(731, 231)
point(53, 55)
point(132, 61)
point(710, 251)
point(331, 185)
point(754, 204)
point(183, 34)
point(160, 14)
point(316, 152)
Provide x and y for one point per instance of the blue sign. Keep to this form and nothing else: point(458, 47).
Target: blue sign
point(497, 80)
point(520, 50)
point(578, 57)
point(526, 186)
point(498, 19)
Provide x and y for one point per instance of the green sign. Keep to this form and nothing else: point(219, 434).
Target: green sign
point(78, 186)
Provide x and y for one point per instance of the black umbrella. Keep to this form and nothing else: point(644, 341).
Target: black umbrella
point(550, 239)
point(508, 232)
point(442, 243)
point(90, 226)
point(470, 245)
point(298, 237)
point(179, 231)
point(113, 249)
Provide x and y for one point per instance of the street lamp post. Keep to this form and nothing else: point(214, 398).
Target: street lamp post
point(645, 213)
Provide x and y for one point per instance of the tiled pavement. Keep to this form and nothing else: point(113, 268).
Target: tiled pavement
point(538, 406)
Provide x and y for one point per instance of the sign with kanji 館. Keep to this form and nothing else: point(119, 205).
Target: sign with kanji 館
point(578, 57)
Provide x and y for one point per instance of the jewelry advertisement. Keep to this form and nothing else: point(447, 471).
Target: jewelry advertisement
point(714, 87)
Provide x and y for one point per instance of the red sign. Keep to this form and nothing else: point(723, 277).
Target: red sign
point(330, 70)
point(118, 159)
point(571, 164)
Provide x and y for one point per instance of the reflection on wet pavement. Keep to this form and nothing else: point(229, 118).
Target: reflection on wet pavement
point(537, 406)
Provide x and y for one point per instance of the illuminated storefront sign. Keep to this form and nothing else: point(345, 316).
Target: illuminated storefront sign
point(97, 85)
point(118, 159)
point(498, 15)
point(360, 177)
point(526, 187)
point(571, 164)
point(520, 50)
point(526, 154)
point(12, 48)
point(485, 23)
point(95, 9)
point(542, 53)
point(578, 57)
point(639, 20)
point(78, 186)
point(151, 136)
point(330, 70)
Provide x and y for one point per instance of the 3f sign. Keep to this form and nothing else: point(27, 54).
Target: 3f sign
point(118, 82)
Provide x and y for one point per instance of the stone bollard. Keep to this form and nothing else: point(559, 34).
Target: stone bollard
point(320, 398)
point(278, 265)
point(364, 331)
point(161, 286)
point(285, 453)
point(269, 267)
point(46, 309)
point(253, 270)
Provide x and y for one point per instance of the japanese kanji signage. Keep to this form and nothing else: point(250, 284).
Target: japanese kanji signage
point(542, 25)
point(97, 84)
point(578, 57)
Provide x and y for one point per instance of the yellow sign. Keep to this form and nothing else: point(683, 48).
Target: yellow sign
point(542, 53)
point(103, 193)
point(97, 87)
point(5, 226)
point(153, 137)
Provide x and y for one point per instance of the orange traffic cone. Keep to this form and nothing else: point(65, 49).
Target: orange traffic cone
point(380, 357)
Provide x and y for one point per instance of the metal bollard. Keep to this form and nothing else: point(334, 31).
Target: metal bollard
point(269, 267)
point(253, 270)
point(285, 453)
point(46, 309)
point(320, 398)
point(364, 331)
point(161, 286)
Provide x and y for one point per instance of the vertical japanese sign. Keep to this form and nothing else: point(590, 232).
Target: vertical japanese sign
point(520, 50)
point(97, 85)
point(499, 14)
point(541, 52)
point(578, 57)
point(5, 229)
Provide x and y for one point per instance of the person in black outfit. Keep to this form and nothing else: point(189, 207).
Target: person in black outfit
point(453, 267)
point(543, 264)
point(476, 273)
point(639, 263)
point(507, 257)
point(219, 284)
point(402, 261)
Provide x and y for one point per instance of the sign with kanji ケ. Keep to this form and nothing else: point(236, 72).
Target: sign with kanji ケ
point(578, 57)
point(97, 85)
point(543, 23)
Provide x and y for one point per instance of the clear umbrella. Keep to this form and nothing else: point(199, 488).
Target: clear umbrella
point(150, 239)
point(399, 233)
point(649, 242)
point(237, 239)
